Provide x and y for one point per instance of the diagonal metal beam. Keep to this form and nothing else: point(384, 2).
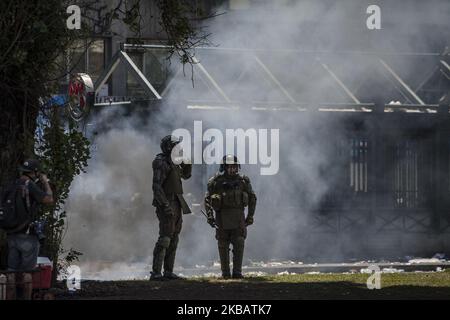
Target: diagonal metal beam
point(209, 85)
point(340, 83)
point(211, 79)
point(408, 91)
point(446, 70)
point(139, 75)
point(119, 57)
point(445, 64)
point(274, 79)
point(426, 79)
point(106, 73)
point(243, 73)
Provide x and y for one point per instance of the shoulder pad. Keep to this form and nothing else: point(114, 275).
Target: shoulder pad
point(159, 161)
point(214, 178)
point(160, 156)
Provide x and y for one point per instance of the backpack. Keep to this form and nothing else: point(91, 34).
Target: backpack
point(12, 219)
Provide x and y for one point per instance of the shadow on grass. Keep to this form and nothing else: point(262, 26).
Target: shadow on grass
point(252, 288)
point(260, 288)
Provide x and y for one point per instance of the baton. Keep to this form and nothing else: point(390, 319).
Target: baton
point(214, 225)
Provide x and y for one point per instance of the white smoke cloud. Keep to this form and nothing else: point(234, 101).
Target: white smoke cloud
point(109, 211)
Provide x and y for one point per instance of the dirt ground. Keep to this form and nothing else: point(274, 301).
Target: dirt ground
point(424, 285)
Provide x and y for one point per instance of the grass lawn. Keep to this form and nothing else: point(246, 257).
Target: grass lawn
point(414, 285)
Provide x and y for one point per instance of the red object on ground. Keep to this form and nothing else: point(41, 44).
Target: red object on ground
point(43, 278)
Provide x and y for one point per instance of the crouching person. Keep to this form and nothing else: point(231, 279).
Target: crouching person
point(22, 241)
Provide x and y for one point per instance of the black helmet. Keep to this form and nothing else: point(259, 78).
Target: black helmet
point(229, 159)
point(30, 165)
point(168, 142)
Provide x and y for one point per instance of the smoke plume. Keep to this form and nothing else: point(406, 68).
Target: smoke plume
point(110, 216)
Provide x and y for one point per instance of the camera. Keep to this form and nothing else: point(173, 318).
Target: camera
point(38, 228)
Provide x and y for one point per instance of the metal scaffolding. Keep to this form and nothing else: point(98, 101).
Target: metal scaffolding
point(395, 160)
point(398, 93)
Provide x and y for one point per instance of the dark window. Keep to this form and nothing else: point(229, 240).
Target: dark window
point(358, 165)
point(87, 56)
point(411, 173)
point(134, 89)
point(155, 67)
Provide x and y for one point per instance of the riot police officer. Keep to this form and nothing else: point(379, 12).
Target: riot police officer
point(170, 204)
point(228, 194)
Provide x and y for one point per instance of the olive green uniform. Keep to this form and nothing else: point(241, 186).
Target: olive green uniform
point(228, 196)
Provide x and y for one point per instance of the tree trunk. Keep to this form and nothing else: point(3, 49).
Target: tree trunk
point(17, 127)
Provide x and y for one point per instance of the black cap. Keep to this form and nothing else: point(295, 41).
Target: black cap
point(30, 165)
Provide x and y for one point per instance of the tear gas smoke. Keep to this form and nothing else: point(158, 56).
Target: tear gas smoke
point(110, 216)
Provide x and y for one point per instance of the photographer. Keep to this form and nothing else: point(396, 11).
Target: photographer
point(23, 240)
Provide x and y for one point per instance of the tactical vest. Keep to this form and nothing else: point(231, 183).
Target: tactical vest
point(233, 200)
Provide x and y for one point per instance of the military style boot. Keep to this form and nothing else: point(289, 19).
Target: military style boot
point(224, 255)
point(238, 255)
point(169, 260)
point(159, 254)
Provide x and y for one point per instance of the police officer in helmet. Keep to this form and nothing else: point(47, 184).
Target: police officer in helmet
point(170, 205)
point(228, 194)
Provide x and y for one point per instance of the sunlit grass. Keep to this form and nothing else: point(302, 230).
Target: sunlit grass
point(429, 279)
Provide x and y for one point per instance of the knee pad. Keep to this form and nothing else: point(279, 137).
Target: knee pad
point(164, 242)
point(174, 240)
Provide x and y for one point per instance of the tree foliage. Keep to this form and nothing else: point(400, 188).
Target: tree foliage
point(34, 40)
point(64, 153)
